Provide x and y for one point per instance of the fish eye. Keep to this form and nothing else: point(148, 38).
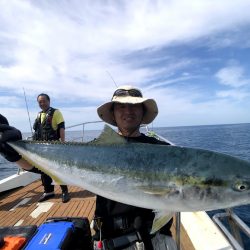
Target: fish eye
point(241, 187)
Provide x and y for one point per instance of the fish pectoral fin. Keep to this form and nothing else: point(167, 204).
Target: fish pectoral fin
point(160, 220)
point(157, 190)
point(109, 136)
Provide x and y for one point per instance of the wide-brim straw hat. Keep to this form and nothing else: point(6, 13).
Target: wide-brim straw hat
point(131, 95)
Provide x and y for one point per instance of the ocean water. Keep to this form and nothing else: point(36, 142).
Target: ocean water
point(233, 139)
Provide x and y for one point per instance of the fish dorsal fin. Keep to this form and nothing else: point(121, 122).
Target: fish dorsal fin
point(109, 136)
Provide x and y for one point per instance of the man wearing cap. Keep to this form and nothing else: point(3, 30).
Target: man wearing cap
point(119, 225)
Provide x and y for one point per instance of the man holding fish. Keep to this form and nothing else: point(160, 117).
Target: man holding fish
point(128, 110)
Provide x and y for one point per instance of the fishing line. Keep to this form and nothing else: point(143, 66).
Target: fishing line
point(112, 78)
point(27, 109)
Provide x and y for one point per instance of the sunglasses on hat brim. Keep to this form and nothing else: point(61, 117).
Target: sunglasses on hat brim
point(128, 92)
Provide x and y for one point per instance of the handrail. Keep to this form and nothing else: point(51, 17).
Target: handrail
point(83, 124)
point(83, 127)
point(72, 126)
point(236, 223)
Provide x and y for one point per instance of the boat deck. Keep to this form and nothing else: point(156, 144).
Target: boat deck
point(21, 207)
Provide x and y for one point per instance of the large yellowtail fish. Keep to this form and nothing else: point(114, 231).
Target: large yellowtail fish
point(158, 177)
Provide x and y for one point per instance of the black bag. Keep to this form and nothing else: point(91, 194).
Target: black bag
point(1, 242)
point(23, 231)
point(81, 238)
point(18, 231)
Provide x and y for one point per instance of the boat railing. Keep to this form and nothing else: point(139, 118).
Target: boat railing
point(235, 224)
point(81, 138)
point(82, 125)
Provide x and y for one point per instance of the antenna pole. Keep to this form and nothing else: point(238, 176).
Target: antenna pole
point(27, 110)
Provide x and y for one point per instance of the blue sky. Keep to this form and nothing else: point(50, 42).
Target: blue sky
point(192, 57)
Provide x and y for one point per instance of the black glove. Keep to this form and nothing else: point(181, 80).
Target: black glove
point(8, 133)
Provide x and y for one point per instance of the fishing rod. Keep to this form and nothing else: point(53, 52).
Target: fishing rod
point(27, 110)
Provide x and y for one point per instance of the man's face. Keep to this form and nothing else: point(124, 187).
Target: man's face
point(128, 116)
point(43, 102)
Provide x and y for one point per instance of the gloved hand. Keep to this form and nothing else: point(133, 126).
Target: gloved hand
point(8, 133)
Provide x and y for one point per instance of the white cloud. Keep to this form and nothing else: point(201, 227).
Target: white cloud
point(233, 93)
point(12, 101)
point(232, 76)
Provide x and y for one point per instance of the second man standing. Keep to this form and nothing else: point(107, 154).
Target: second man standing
point(49, 126)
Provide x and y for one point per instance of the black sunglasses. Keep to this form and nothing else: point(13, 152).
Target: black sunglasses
point(129, 92)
